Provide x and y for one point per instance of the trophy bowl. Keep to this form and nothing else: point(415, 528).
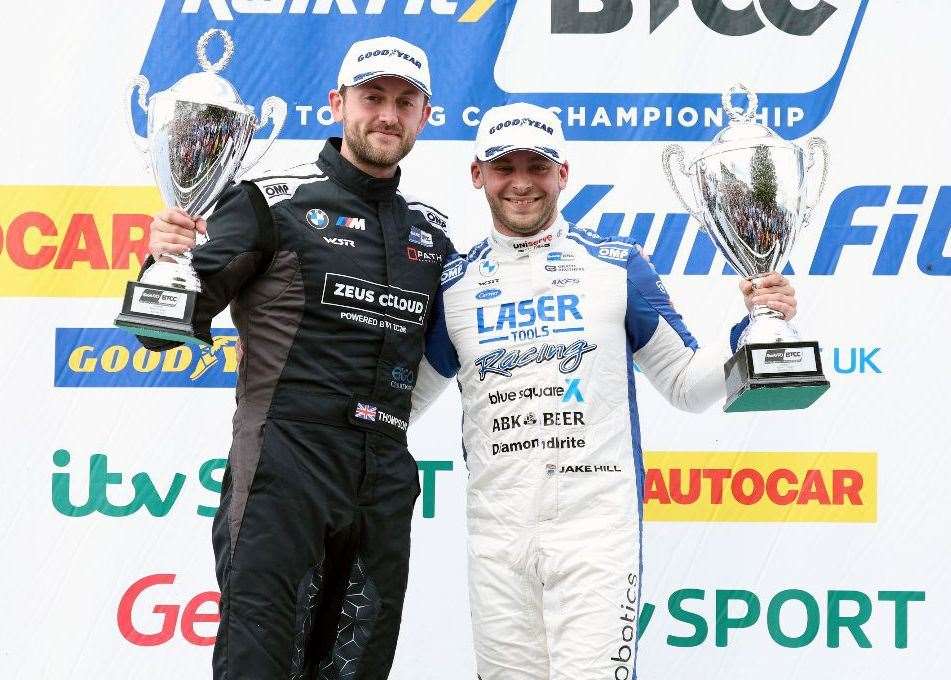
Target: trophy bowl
point(198, 133)
point(750, 191)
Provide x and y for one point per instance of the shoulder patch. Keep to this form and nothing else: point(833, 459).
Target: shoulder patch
point(434, 216)
point(478, 251)
point(453, 270)
point(614, 250)
point(281, 185)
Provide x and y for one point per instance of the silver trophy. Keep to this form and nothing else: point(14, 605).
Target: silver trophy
point(198, 133)
point(751, 192)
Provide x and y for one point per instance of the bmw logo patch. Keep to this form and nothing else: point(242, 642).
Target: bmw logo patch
point(317, 218)
point(487, 268)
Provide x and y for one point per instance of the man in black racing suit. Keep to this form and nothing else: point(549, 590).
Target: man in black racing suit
point(330, 274)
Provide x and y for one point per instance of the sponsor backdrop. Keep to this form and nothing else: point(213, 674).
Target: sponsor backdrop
point(808, 544)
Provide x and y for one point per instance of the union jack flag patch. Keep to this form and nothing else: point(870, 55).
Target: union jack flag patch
point(366, 412)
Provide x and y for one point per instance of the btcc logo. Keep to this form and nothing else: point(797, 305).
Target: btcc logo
point(574, 18)
point(159, 297)
point(783, 356)
point(665, 103)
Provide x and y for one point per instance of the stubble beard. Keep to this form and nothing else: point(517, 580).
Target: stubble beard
point(521, 227)
point(363, 150)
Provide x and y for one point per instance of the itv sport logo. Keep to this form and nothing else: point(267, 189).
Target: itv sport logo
point(597, 84)
point(82, 486)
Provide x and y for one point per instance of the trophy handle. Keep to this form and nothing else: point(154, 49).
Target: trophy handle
point(675, 151)
point(274, 108)
point(813, 144)
point(140, 83)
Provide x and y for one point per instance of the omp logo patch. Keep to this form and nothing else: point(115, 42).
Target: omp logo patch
point(275, 190)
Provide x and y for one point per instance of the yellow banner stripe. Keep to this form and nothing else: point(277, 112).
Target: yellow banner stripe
point(717, 486)
point(475, 11)
point(73, 241)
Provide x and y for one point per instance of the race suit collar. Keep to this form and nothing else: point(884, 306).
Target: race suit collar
point(512, 247)
point(351, 177)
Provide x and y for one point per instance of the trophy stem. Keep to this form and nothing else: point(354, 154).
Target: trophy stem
point(764, 311)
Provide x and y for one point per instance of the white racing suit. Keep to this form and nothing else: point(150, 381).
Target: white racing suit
point(542, 334)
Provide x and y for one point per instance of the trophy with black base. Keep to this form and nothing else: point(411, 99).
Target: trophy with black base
point(198, 132)
point(751, 191)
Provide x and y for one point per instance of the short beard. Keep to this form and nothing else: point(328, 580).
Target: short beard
point(366, 153)
point(521, 228)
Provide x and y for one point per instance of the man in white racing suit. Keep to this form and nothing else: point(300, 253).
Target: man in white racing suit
point(542, 324)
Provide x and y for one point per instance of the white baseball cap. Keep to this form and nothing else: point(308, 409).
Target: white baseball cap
point(517, 127)
point(386, 56)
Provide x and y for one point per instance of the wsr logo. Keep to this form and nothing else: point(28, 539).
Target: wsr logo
point(584, 60)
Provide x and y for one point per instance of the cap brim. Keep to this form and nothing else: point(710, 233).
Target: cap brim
point(383, 74)
point(550, 154)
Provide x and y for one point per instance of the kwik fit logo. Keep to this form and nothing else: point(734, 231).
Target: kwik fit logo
point(597, 84)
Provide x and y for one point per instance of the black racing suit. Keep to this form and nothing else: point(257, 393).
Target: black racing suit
point(331, 275)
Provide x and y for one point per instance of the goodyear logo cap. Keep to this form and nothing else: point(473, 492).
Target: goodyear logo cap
point(521, 126)
point(385, 56)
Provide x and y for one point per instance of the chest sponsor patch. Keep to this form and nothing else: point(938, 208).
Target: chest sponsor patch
point(317, 218)
point(417, 255)
point(417, 235)
point(335, 241)
point(376, 299)
point(356, 223)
